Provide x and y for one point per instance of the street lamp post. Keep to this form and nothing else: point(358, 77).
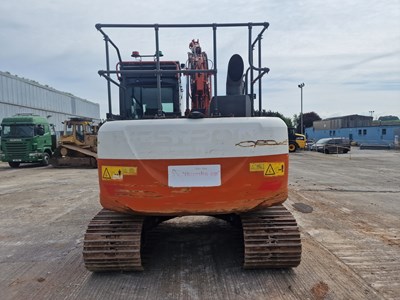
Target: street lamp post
point(301, 85)
point(371, 112)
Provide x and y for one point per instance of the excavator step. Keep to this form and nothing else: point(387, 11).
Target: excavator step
point(271, 239)
point(112, 242)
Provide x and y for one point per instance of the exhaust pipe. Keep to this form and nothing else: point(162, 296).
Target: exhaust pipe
point(234, 80)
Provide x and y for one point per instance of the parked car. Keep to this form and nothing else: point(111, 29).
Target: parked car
point(309, 144)
point(332, 145)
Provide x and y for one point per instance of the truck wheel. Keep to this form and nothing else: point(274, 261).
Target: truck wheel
point(292, 147)
point(14, 164)
point(46, 158)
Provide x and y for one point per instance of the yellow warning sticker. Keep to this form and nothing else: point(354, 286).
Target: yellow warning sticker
point(116, 173)
point(274, 169)
point(257, 167)
point(269, 168)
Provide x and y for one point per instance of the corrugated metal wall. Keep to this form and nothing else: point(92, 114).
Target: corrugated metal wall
point(343, 122)
point(18, 95)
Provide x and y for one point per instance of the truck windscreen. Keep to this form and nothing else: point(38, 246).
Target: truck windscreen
point(17, 131)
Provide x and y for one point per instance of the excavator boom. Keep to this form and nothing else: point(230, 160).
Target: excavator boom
point(200, 83)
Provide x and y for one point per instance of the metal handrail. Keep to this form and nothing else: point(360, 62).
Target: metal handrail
point(158, 72)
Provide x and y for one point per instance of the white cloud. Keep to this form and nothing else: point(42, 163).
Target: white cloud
point(348, 54)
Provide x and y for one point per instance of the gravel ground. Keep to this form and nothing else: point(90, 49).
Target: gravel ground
point(347, 207)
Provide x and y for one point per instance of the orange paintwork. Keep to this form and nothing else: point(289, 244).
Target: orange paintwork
point(148, 192)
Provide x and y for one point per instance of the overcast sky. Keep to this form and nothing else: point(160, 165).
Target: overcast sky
point(346, 52)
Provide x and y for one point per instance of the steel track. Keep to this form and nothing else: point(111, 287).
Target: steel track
point(271, 239)
point(113, 242)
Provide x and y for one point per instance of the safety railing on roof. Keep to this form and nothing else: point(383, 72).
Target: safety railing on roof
point(158, 72)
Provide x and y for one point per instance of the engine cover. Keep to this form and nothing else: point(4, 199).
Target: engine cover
point(193, 166)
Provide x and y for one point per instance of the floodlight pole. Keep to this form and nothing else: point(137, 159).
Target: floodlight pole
point(301, 85)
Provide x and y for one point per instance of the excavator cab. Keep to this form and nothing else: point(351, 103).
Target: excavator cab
point(79, 131)
point(138, 91)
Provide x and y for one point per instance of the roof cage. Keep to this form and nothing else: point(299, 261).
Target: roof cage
point(158, 71)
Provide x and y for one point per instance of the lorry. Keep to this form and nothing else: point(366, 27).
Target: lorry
point(26, 138)
point(296, 140)
point(217, 159)
point(77, 145)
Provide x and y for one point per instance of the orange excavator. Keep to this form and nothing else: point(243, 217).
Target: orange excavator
point(218, 159)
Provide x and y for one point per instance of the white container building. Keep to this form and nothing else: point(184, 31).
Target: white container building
point(19, 95)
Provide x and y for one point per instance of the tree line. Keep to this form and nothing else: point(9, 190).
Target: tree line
point(295, 121)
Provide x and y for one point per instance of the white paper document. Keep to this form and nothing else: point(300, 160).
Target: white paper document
point(194, 176)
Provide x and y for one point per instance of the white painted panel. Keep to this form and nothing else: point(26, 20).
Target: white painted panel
point(192, 138)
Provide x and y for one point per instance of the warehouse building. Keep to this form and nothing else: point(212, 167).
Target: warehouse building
point(19, 95)
point(361, 130)
point(350, 121)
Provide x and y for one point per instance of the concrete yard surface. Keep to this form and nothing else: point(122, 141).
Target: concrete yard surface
point(347, 207)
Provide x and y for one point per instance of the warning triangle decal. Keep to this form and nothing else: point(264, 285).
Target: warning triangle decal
point(106, 174)
point(269, 171)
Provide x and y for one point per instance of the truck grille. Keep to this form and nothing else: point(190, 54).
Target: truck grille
point(16, 150)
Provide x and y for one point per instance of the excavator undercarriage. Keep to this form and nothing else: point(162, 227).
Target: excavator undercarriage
point(114, 241)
